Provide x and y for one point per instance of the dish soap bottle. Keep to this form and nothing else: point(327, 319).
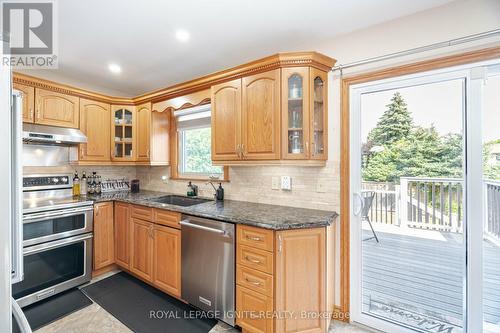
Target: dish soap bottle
point(76, 184)
point(190, 190)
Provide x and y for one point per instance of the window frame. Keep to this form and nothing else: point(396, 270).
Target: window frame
point(175, 157)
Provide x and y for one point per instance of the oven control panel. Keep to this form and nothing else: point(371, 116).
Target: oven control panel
point(47, 181)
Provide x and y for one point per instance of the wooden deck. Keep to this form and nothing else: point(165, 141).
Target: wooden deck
point(419, 281)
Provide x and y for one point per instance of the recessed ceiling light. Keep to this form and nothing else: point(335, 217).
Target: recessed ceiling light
point(182, 35)
point(114, 68)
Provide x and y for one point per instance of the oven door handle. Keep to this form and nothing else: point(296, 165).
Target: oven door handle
point(55, 244)
point(62, 213)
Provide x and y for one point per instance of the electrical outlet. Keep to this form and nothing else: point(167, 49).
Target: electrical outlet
point(164, 179)
point(320, 187)
point(275, 183)
point(286, 183)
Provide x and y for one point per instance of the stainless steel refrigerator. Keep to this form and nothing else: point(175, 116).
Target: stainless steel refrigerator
point(11, 253)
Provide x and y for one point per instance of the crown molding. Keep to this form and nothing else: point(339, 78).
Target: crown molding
point(279, 60)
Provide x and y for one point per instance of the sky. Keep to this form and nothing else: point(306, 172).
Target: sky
point(439, 104)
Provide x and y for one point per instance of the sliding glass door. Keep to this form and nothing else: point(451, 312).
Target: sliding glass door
point(417, 197)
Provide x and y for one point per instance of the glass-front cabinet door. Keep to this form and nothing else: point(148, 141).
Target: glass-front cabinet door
point(318, 116)
point(123, 133)
point(295, 113)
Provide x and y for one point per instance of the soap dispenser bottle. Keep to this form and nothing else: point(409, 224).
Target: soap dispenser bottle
point(219, 194)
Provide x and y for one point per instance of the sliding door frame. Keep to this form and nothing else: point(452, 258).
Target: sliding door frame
point(345, 196)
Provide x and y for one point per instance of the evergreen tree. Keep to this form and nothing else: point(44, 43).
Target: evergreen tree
point(393, 125)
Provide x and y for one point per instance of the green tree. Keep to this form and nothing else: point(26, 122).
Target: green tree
point(394, 124)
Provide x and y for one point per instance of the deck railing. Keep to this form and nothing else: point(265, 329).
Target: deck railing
point(431, 203)
point(492, 210)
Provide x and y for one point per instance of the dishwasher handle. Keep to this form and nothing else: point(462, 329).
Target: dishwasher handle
point(202, 227)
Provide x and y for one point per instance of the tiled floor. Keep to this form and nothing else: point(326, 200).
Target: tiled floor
point(94, 319)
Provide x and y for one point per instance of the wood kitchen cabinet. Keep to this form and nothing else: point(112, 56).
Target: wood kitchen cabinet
point(94, 123)
point(304, 113)
point(123, 133)
point(104, 254)
point(281, 271)
point(122, 234)
point(260, 116)
point(143, 131)
point(246, 118)
point(56, 109)
point(141, 249)
point(226, 121)
point(28, 107)
point(167, 259)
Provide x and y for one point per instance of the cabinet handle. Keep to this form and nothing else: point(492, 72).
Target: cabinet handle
point(96, 211)
point(258, 239)
point(255, 283)
point(280, 243)
point(151, 231)
point(38, 112)
point(242, 151)
point(238, 150)
point(253, 260)
point(31, 114)
point(81, 151)
point(307, 147)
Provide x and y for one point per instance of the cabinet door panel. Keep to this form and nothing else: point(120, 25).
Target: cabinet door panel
point(252, 308)
point(295, 112)
point(226, 121)
point(167, 259)
point(56, 109)
point(261, 116)
point(319, 115)
point(103, 235)
point(122, 234)
point(300, 279)
point(28, 95)
point(94, 122)
point(123, 133)
point(143, 132)
point(141, 249)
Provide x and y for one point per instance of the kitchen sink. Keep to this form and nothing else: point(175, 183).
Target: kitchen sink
point(178, 200)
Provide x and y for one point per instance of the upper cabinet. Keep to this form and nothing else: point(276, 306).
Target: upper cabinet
point(273, 117)
point(143, 131)
point(28, 96)
point(123, 133)
point(56, 109)
point(304, 113)
point(94, 123)
point(226, 121)
point(260, 115)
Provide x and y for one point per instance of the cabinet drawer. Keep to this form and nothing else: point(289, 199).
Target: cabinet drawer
point(255, 259)
point(255, 237)
point(254, 311)
point(141, 212)
point(167, 218)
point(254, 280)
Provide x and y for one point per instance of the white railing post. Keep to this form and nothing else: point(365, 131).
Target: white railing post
point(403, 203)
point(397, 199)
point(485, 209)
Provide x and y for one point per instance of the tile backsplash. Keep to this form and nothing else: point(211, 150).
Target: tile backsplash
point(254, 184)
point(312, 187)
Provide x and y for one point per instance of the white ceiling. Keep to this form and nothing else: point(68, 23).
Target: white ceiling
point(140, 36)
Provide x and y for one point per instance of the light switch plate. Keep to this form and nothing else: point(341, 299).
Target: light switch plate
point(275, 183)
point(286, 183)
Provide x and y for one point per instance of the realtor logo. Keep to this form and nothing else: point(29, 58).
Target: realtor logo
point(31, 27)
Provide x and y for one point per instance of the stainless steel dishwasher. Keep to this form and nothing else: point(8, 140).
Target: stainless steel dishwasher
point(208, 248)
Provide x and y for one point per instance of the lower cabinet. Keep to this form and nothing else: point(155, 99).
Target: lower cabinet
point(122, 234)
point(103, 235)
point(276, 284)
point(141, 249)
point(148, 249)
point(167, 259)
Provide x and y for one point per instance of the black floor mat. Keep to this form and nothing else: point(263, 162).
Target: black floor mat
point(132, 302)
point(47, 311)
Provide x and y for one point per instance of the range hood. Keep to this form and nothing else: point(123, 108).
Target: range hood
point(34, 133)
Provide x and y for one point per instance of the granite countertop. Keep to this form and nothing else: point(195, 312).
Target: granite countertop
point(255, 214)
